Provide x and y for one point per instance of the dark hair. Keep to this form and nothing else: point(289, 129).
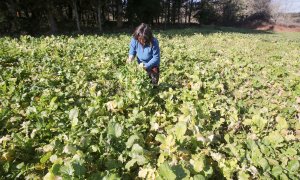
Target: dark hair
point(143, 31)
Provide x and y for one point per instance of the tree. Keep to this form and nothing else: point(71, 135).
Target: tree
point(34, 15)
point(119, 13)
point(278, 13)
point(11, 6)
point(50, 15)
point(253, 10)
point(207, 13)
point(99, 12)
point(75, 9)
point(230, 13)
point(191, 10)
point(138, 11)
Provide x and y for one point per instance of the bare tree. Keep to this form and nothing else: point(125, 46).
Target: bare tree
point(119, 13)
point(255, 7)
point(75, 9)
point(11, 6)
point(99, 12)
point(51, 18)
point(279, 13)
point(191, 10)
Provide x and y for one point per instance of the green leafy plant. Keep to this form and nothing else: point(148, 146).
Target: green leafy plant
point(227, 107)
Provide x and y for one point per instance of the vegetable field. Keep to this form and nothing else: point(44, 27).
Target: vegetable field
point(227, 107)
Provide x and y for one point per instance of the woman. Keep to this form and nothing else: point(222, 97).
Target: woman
point(146, 48)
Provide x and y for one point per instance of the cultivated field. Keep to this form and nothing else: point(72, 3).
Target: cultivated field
point(228, 106)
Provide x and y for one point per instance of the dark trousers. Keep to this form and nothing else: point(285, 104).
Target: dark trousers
point(154, 75)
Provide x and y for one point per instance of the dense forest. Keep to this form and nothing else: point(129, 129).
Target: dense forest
point(53, 16)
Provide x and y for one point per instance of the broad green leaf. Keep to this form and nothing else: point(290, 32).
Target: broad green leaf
point(283, 177)
point(112, 164)
point(243, 175)
point(79, 170)
point(20, 166)
point(257, 123)
point(49, 176)
point(130, 163)
point(131, 140)
point(115, 129)
point(276, 170)
point(180, 129)
point(199, 177)
point(291, 152)
point(274, 139)
point(53, 158)
point(67, 169)
point(198, 162)
point(52, 103)
point(6, 167)
point(111, 128)
point(293, 165)
point(111, 176)
point(181, 172)
point(161, 159)
point(144, 172)
point(69, 149)
point(73, 113)
point(48, 148)
point(264, 164)
point(45, 158)
point(165, 172)
point(136, 148)
point(55, 169)
point(141, 160)
point(73, 116)
point(118, 130)
point(281, 123)
point(160, 138)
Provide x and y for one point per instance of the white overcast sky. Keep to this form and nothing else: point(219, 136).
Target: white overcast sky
point(288, 5)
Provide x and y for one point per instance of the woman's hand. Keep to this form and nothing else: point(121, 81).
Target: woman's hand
point(130, 59)
point(142, 66)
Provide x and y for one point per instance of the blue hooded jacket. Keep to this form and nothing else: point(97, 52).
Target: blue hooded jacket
point(149, 55)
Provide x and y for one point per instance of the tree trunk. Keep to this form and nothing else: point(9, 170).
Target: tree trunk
point(166, 15)
point(173, 16)
point(113, 14)
point(70, 15)
point(51, 19)
point(99, 15)
point(185, 14)
point(178, 11)
point(169, 9)
point(191, 10)
point(119, 13)
point(95, 16)
point(76, 15)
point(11, 6)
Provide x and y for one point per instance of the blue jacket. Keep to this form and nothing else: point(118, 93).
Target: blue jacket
point(149, 55)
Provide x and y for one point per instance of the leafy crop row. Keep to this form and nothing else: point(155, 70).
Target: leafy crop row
point(228, 106)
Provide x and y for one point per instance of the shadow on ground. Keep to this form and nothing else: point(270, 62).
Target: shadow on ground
point(180, 31)
point(207, 30)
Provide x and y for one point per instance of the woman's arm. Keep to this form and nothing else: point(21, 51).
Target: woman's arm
point(155, 56)
point(132, 50)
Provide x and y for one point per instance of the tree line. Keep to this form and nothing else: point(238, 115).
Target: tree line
point(33, 16)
